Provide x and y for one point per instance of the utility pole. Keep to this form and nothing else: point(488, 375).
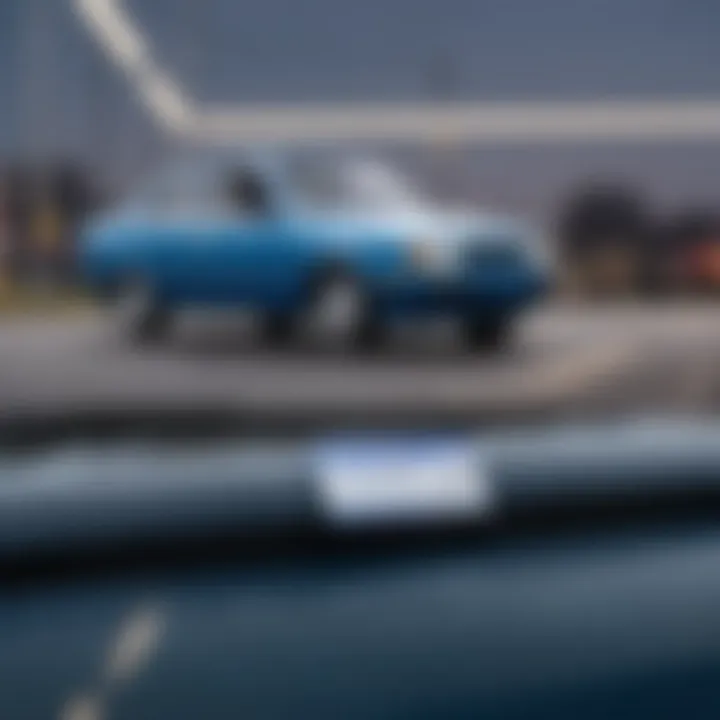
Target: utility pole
point(29, 89)
point(40, 143)
point(441, 82)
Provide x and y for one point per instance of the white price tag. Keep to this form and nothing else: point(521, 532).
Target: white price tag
point(389, 481)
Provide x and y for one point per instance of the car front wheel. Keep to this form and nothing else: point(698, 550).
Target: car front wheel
point(138, 314)
point(341, 312)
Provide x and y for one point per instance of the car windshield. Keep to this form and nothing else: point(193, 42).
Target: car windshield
point(350, 182)
point(327, 180)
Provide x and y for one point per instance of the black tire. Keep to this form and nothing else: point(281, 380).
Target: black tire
point(141, 318)
point(276, 329)
point(487, 334)
point(362, 328)
point(370, 334)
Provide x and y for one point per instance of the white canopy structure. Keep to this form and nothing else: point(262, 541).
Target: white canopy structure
point(167, 101)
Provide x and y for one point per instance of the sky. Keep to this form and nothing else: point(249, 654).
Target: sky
point(60, 94)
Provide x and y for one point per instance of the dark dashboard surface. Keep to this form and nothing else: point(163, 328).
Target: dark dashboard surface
point(603, 627)
point(589, 590)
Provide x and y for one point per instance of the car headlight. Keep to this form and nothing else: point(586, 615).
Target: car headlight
point(433, 257)
point(541, 252)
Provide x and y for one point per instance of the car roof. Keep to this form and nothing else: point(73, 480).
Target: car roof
point(195, 170)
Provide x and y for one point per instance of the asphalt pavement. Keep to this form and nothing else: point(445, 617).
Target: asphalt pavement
point(616, 359)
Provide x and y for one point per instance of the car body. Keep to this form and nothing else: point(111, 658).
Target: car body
point(292, 233)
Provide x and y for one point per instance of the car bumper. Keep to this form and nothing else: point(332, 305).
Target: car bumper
point(496, 293)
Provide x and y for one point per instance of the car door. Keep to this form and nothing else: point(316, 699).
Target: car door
point(225, 240)
point(212, 251)
point(258, 252)
point(250, 248)
point(237, 259)
point(185, 226)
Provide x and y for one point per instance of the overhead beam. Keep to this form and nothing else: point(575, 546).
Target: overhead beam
point(171, 106)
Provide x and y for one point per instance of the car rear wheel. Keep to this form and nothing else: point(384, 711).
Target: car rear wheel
point(488, 334)
point(138, 314)
point(341, 312)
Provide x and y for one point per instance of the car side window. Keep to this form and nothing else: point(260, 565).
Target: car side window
point(182, 188)
point(248, 193)
point(204, 185)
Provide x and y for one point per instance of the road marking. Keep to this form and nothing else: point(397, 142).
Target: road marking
point(83, 707)
point(581, 370)
point(130, 651)
point(137, 641)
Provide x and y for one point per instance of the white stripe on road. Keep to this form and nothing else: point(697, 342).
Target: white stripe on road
point(137, 640)
point(130, 651)
point(83, 707)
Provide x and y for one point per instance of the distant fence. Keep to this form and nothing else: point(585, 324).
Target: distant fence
point(613, 242)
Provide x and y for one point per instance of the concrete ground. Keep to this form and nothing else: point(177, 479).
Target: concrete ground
point(572, 360)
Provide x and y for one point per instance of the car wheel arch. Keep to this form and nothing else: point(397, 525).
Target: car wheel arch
point(324, 269)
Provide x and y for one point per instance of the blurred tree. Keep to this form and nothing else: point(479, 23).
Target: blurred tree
point(602, 214)
point(602, 233)
point(45, 230)
point(686, 253)
point(18, 204)
point(4, 234)
point(75, 193)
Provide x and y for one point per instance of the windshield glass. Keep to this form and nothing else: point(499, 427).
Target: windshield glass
point(344, 181)
point(324, 179)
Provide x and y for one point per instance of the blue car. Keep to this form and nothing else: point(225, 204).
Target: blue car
point(326, 241)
